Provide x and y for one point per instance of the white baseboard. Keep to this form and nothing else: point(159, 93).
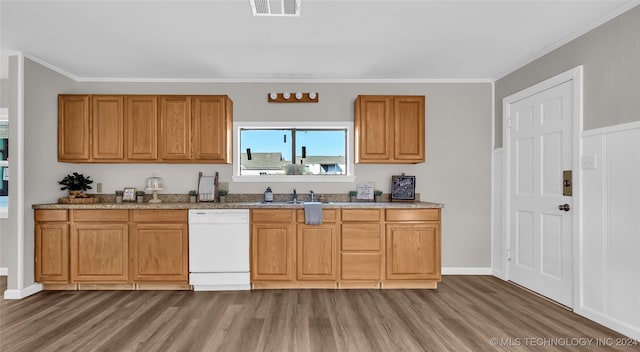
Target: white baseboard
point(611, 323)
point(467, 271)
point(4, 271)
point(499, 274)
point(23, 293)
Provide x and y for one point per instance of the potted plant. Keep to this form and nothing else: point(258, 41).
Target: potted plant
point(353, 196)
point(378, 195)
point(76, 184)
point(119, 196)
point(140, 196)
point(192, 196)
point(223, 195)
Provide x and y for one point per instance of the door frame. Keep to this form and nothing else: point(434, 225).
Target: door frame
point(575, 75)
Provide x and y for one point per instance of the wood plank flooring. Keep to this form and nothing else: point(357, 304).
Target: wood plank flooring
point(463, 314)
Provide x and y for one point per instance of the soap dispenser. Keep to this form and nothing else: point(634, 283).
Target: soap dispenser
point(268, 195)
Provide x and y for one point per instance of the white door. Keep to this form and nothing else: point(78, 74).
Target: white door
point(540, 233)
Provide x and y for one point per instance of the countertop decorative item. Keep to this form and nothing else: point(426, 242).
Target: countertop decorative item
point(378, 195)
point(365, 191)
point(154, 184)
point(223, 195)
point(403, 188)
point(76, 184)
point(207, 186)
point(353, 196)
point(119, 196)
point(140, 196)
point(193, 196)
point(129, 194)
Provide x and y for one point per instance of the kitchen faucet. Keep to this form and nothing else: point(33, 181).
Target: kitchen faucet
point(295, 196)
point(311, 195)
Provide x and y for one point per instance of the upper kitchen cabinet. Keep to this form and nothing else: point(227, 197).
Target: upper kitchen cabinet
point(107, 112)
point(175, 128)
point(389, 129)
point(141, 123)
point(144, 128)
point(73, 128)
point(211, 128)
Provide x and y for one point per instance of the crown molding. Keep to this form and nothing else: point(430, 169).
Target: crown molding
point(248, 80)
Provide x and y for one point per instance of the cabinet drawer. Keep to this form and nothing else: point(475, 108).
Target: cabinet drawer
point(361, 215)
point(157, 216)
point(360, 237)
point(328, 215)
point(51, 215)
point(271, 215)
point(100, 215)
point(413, 214)
point(360, 266)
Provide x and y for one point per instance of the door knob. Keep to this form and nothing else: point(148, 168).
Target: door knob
point(565, 207)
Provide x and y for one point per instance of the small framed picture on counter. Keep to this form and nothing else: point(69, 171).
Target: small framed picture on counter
point(129, 194)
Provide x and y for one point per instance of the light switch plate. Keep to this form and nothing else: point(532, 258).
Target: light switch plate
point(99, 187)
point(589, 162)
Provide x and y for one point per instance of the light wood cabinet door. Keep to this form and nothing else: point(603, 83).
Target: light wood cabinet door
point(408, 129)
point(141, 127)
point(52, 252)
point(413, 251)
point(99, 252)
point(389, 129)
point(107, 127)
point(317, 252)
point(73, 127)
point(211, 128)
point(175, 128)
point(272, 251)
point(160, 252)
point(373, 127)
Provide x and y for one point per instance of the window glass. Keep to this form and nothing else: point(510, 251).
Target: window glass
point(4, 165)
point(293, 151)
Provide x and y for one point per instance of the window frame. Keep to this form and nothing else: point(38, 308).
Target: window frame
point(324, 125)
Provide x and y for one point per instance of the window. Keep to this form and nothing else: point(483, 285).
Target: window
point(4, 164)
point(297, 152)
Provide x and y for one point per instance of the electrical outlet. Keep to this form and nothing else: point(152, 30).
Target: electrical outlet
point(99, 187)
point(589, 162)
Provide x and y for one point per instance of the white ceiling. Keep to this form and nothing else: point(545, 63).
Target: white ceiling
point(331, 40)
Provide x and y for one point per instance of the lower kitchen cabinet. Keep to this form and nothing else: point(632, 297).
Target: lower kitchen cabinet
point(361, 248)
point(317, 248)
point(104, 249)
point(100, 252)
point(52, 246)
point(412, 252)
point(413, 245)
point(160, 252)
point(159, 246)
point(272, 243)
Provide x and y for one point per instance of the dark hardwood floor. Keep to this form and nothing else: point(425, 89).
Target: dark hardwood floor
point(464, 314)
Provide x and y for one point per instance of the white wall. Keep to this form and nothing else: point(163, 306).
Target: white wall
point(611, 228)
point(456, 173)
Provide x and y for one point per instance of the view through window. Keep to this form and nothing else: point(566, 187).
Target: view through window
point(292, 151)
point(4, 163)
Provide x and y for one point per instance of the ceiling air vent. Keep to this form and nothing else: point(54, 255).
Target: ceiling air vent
point(275, 7)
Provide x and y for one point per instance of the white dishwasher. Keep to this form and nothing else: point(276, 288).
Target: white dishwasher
point(219, 249)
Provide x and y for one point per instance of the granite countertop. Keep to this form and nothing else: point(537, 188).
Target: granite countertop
point(234, 205)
